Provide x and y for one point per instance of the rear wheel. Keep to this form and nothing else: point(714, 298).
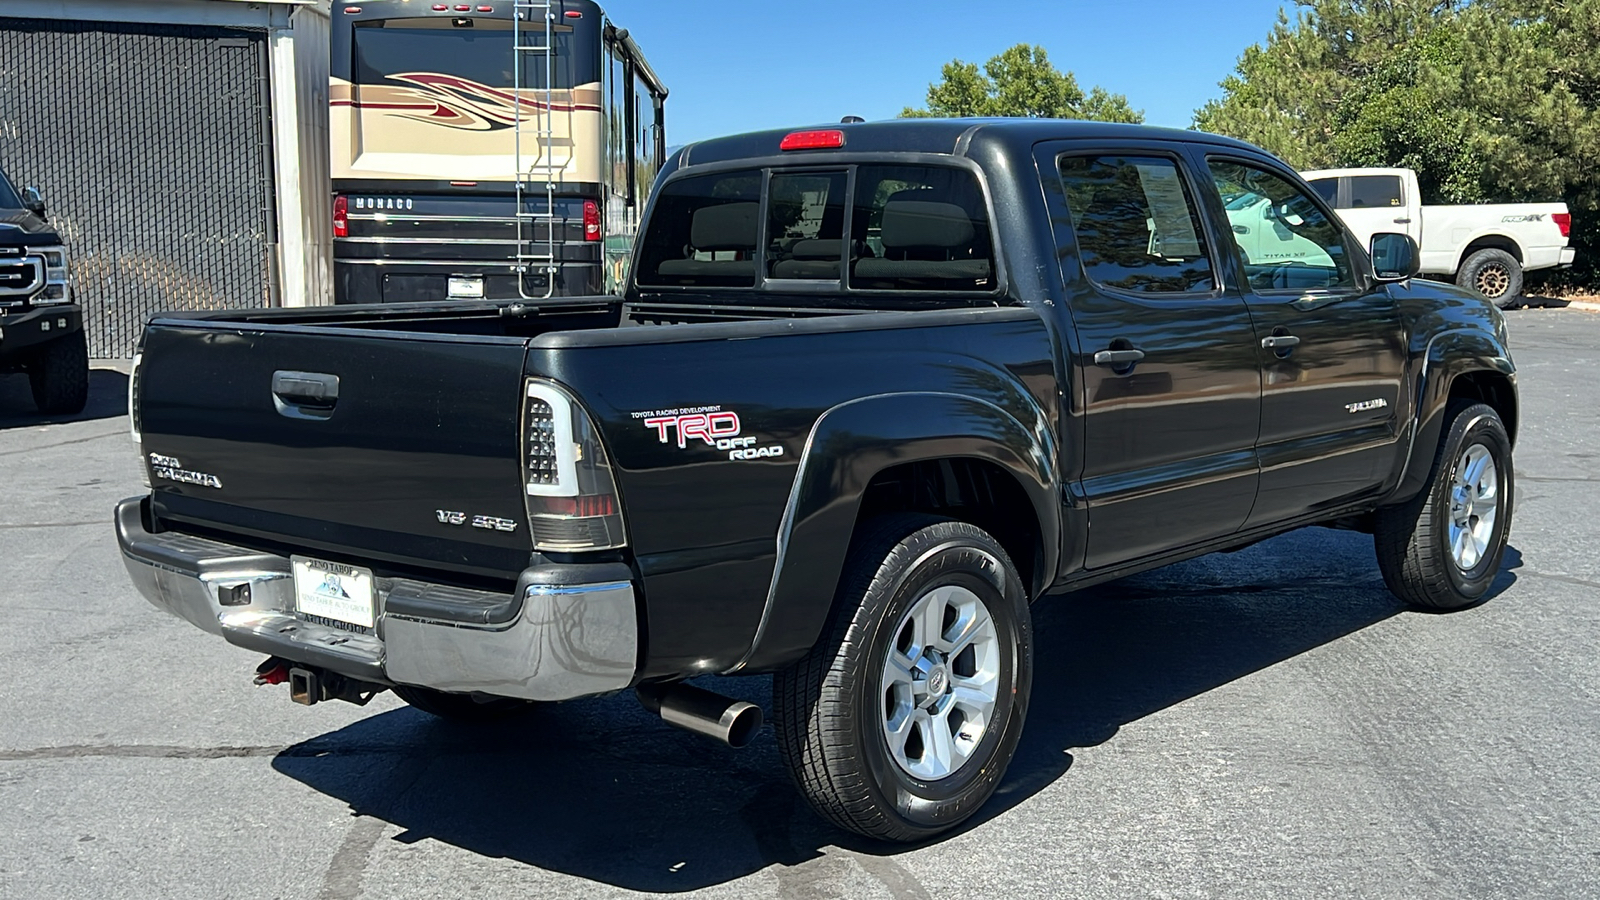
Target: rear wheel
point(460, 707)
point(1442, 549)
point(901, 721)
point(1495, 275)
point(59, 376)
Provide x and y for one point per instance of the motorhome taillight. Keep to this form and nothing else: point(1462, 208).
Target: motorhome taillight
point(812, 140)
point(591, 220)
point(1564, 222)
point(574, 14)
point(341, 217)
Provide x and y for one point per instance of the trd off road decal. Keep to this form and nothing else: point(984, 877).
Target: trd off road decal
point(713, 425)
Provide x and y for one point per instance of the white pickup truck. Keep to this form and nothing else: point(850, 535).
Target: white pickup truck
point(1485, 247)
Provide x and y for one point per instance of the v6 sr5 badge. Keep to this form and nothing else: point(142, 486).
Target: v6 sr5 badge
point(711, 425)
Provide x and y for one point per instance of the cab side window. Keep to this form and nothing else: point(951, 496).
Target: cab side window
point(1369, 191)
point(1284, 240)
point(1136, 224)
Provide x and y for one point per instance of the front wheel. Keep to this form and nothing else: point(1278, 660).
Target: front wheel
point(1442, 549)
point(901, 721)
point(59, 376)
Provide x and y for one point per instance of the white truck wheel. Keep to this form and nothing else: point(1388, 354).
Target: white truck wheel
point(1495, 275)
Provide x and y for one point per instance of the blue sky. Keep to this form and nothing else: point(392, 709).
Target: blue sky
point(740, 66)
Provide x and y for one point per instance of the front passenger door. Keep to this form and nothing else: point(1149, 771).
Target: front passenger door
point(1331, 347)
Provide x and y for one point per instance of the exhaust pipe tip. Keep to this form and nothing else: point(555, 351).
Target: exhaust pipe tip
point(733, 722)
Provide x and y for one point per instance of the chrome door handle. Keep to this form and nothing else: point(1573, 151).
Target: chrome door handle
point(1402, 221)
point(1279, 342)
point(1116, 358)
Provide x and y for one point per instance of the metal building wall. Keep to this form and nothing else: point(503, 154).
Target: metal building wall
point(151, 145)
point(305, 191)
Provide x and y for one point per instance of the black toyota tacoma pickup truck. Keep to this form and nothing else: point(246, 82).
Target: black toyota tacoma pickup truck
point(872, 390)
point(41, 329)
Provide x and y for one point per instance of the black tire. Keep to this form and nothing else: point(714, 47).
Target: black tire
point(828, 709)
point(1413, 539)
point(59, 376)
point(1494, 275)
point(460, 707)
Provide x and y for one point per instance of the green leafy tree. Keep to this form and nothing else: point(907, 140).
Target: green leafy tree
point(1493, 100)
point(1020, 82)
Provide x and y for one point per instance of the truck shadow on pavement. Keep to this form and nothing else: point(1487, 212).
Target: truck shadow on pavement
point(108, 398)
point(601, 790)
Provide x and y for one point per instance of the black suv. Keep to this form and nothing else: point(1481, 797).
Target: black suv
point(41, 329)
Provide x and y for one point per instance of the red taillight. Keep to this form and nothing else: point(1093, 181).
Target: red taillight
point(813, 140)
point(341, 217)
point(462, 7)
point(591, 220)
point(585, 506)
point(1564, 222)
point(574, 14)
point(440, 7)
point(485, 9)
point(352, 10)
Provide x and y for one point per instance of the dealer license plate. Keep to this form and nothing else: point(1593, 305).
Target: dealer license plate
point(465, 287)
point(333, 591)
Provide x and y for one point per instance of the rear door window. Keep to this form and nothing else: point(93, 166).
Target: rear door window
point(1375, 192)
point(1136, 223)
point(1327, 189)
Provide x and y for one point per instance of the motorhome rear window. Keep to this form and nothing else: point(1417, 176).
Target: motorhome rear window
point(904, 228)
point(391, 50)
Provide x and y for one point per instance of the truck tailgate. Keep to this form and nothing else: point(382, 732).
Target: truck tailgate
point(409, 427)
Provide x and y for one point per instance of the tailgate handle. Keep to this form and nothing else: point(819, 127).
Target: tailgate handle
point(304, 395)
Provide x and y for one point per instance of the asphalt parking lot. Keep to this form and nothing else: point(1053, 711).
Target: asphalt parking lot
point(1268, 723)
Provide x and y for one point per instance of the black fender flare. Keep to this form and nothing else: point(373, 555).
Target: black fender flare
point(1449, 355)
point(849, 445)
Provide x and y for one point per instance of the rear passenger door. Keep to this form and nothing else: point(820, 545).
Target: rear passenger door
point(1377, 203)
point(1329, 342)
point(1164, 369)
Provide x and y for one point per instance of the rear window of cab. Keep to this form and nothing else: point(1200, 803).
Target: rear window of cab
point(856, 228)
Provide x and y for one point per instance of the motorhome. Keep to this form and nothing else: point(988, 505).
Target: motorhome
point(496, 150)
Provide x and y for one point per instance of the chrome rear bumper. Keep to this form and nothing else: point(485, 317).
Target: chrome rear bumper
point(568, 631)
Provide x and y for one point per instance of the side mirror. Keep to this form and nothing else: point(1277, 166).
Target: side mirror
point(1395, 257)
point(32, 202)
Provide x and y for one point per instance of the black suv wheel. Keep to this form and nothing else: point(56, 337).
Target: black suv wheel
point(59, 376)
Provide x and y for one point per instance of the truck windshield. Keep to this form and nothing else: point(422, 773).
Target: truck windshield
point(8, 196)
point(390, 50)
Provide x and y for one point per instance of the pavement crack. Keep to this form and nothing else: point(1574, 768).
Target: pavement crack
point(1565, 579)
point(901, 884)
point(349, 865)
point(138, 751)
point(82, 440)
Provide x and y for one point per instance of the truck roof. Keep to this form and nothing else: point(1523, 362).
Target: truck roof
point(942, 136)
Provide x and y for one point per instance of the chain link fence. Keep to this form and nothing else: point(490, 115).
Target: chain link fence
point(150, 144)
